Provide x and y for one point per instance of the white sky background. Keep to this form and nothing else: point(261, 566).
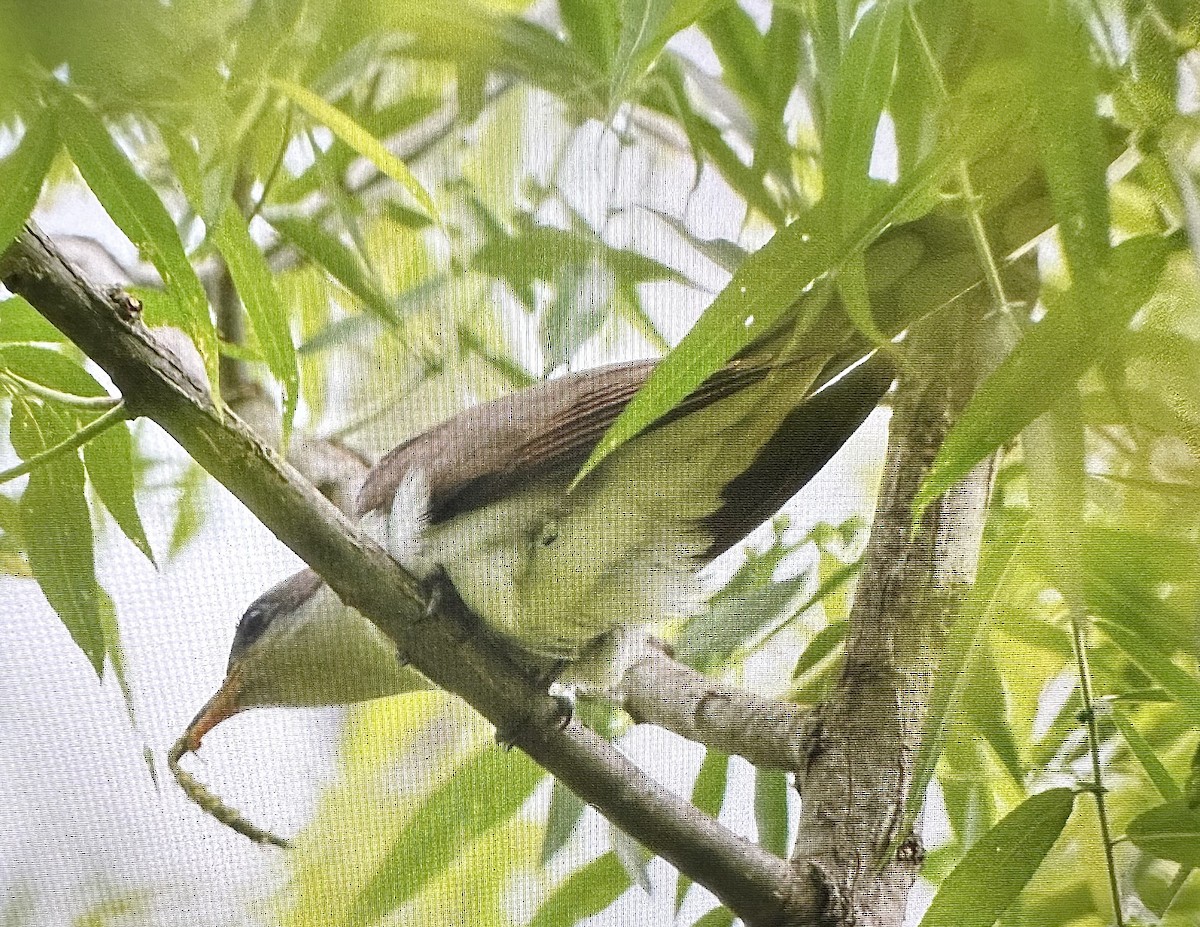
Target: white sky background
point(84, 821)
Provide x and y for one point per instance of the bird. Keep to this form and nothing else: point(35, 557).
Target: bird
point(485, 500)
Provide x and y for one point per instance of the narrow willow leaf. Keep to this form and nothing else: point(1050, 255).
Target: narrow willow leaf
point(1053, 447)
point(592, 26)
point(860, 94)
point(708, 795)
point(967, 634)
point(116, 657)
point(189, 509)
point(264, 306)
point(1063, 80)
point(717, 917)
point(761, 290)
point(1170, 831)
point(1183, 686)
point(1053, 354)
point(340, 262)
point(824, 643)
point(49, 367)
point(566, 808)
point(21, 323)
point(1184, 909)
point(1145, 755)
point(482, 792)
point(57, 529)
point(987, 706)
point(770, 280)
point(999, 866)
point(771, 810)
point(585, 892)
point(359, 139)
point(22, 174)
point(641, 39)
point(109, 460)
point(136, 209)
point(635, 858)
point(852, 287)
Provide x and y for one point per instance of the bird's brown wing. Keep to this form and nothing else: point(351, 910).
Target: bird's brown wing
point(490, 450)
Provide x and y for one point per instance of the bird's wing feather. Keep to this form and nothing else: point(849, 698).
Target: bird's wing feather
point(484, 452)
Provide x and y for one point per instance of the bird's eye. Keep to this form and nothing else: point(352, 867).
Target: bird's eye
point(548, 533)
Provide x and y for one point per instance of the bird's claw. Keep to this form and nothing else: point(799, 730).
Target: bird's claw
point(508, 735)
point(436, 586)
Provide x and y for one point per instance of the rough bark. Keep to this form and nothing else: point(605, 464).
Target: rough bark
point(865, 738)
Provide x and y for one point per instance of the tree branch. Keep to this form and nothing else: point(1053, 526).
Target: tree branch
point(770, 734)
point(154, 382)
point(867, 735)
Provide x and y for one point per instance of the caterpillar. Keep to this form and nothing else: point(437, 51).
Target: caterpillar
point(198, 792)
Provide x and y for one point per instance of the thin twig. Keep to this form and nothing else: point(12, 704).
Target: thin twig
point(1079, 639)
point(116, 414)
point(87, 403)
point(991, 266)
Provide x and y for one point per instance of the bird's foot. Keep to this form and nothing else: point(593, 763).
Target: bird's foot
point(442, 598)
point(557, 719)
point(438, 590)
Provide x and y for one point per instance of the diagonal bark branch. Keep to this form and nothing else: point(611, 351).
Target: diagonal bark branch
point(154, 382)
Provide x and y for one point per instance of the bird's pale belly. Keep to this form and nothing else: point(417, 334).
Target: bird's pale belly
point(553, 571)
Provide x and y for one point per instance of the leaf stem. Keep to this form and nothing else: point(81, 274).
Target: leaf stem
point(1079, 639)
point(991, 266)
point(42, 391)
point(116, 414)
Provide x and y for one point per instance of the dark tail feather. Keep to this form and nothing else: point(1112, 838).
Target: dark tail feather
point(799, 449)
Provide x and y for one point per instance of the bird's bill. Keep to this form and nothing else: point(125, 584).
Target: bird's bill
point(219, 708)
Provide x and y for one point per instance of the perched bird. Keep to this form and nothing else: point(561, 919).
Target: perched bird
point(484, 497)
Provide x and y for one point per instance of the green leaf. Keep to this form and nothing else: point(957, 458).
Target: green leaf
point(1054, 354)
point(641, 39)
point(717, 917)
point(1141, 749)
point(592, 26)
point(767, 284)
point(21, 323)
point(824, 643)
point(771, 810)
point(1053, 446)
point(999, 866)
point(708, 795)
point(967, 636)
point(1184, 909)
point(987, 706)
point(264, 306)
point(136, 209)
point(1183, 686)
point(57, 529)
point(1065, 86)
point(22, 174)
point(189, 509)
point(864, 82)
point(585, 892)
point(109, 461)
point(566, 808)
point(482, 792)
point(359, 139)
point(340, 262)
point(49, 367)
point(1170, 831)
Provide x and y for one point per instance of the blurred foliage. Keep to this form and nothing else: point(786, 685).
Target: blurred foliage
point(425, 204)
